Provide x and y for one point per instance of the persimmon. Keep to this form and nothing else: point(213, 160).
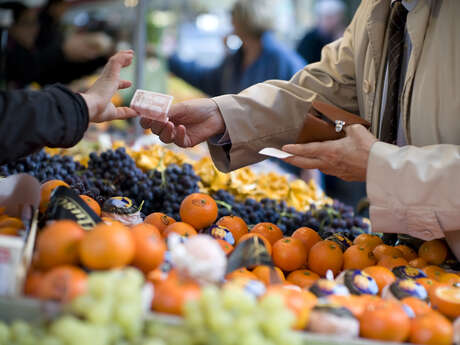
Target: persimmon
point(198, 210)
point(289, 254)
point(93, 204)
point(58, 244)
point(325, 255)
point(268, 230)
point(160, 220)
point(46, 190)
point(236, 225)
point(107, 246)
point(150, 247)
point(63, 283)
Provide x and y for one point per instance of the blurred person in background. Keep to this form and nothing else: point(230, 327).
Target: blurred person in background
point(330, 26)
point(53, 58)
point(261, 56)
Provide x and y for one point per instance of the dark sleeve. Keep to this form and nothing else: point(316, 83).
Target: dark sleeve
point(204, 78)
point(30, 120)
point(310, 47)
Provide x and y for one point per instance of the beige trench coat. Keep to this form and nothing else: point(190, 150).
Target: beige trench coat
point(413, 190)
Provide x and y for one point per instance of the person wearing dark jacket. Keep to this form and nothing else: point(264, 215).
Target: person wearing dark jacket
point(57, 117)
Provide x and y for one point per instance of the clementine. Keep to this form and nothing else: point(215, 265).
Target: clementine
point(63, 283)
point(46, 190)
point(150, 247)
point(308, 236)
point(268, 230)
point(198, 210)
point(431, 329)
point(180, 228)
point(434, 252)
point(264, 273)
point(289, 254)
point(325, 255)
point(93, 204)
point(382, 275)
point(369, 240)
point(160, 220)
point(358, 256)
point(385, 250)
point(236, 225)
point(303, 278)
point(267, 244)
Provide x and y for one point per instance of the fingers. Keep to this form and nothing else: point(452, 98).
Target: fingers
point(145, 123)
point(124, 84)
point(304, 150)
point(117, 62)
point(167, 134)
point(123, 113)
point(305, 163)
point(182, 139)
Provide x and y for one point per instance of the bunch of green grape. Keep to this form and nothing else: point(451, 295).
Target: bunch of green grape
point(229, 316)
point(110, 313)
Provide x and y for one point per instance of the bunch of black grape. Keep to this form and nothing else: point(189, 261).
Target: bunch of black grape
point(45, 167)
point(116, 174)
point(338, 218)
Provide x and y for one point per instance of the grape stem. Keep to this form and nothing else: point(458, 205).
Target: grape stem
point(224, 204)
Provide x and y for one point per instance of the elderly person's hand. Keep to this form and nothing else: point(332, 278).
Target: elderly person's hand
point(98, 97)
point(345, 158)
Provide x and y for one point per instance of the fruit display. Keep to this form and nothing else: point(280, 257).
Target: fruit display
point(226, 267)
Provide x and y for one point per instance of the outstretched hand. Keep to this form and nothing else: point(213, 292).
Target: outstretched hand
point(189, 124)
point(99, 96)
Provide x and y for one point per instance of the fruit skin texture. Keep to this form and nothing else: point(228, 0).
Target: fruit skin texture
point(385, 250)
point(236, 225)
point(46, 190)
point(107, 246)
point(241, 273)
point(172, 294)
point(418, 306)
point(385, 321)
point(445, 298)
point(325, 255)
point(180, 228)
point(160, 220)
point(302, 278)
point(93, 204)
point(57, 244)
point(431, 329)
point(358, 256)
point(418, 263)
point(434, 252)
point(150, 247)
point(309, 237)
point(369, 240)
point(63, 283)
point(391, 262)
point(263, 273)
point(408, 253)
point(226, 247)
point(382, 276)
point(269, 230)
point(289, 254)
point(198, 210)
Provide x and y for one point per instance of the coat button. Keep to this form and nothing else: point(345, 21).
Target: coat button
point(367, 87)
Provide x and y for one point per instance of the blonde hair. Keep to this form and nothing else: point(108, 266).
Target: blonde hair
point(255, 16)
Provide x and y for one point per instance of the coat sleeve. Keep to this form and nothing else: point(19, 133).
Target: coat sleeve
point(271, 114)
point(414, 190)
point(30, 120)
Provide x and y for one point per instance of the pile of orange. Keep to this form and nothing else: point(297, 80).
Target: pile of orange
point(9, 226)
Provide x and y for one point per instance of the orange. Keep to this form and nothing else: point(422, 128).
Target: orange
point(385, 250)
point(382, 276)
point(241, 273)
point(46, 190)
point(150, 247)
point(236, 225)
point(434, 272)
point(159, 220)
point(267, 244)
point(391, 262)
point(298, 302)
point(325, 255)
point(93, 204)
point(408, 253)
point(303, 278)
point(199, 210)
point(172, 294)
point(107, 246)
point(449, 278)
point(369, 240)
point(263, 273)
point(355, 304)
point(385, 321)
point(63, 283)
point(180, 228)
point(57, 244)
point(418, 306)
point(431, 329)
point(8, 231)
point(434, 252)
point(268, 230)
point(418, 263)
point(32, 283)
point(427, 283)
point(446, 299)
point(226, 247)
point(308, 236)
point(358, 256)
point(289, 254)
point(11, 222)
